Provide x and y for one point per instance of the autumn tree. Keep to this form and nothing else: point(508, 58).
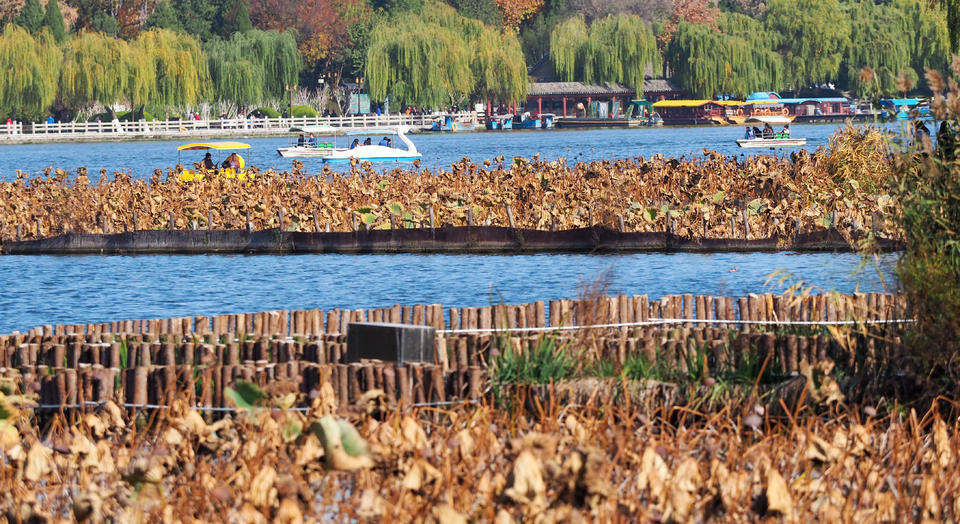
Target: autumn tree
point(514, 12)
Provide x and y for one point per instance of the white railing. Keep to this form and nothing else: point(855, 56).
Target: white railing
point(226, 126)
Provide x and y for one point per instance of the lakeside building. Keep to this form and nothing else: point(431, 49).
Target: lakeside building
point(608, 99)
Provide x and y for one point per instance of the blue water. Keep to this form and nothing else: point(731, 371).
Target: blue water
point(36, 290)
point(439, 150)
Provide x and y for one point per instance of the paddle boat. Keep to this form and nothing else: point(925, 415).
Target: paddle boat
point(775, 140)
point(240, 172)
point(328, 151)
point(771, 142)
point(303, 147)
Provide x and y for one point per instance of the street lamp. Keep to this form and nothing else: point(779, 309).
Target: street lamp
point(291, 90)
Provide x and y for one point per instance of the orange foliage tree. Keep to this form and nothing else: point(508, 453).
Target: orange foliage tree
point(514, 12)
point(322, 25)
point(700, 12)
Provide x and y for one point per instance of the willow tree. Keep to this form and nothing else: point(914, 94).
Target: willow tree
point(812, 37)
point(878, 44)
point(499, 66)
point(276, 53)
point(707, 62)
point(439, 57)
point(952, 7)
point(179, 69)
point(31, 88)
point(925, 30)
point(235, 78)
point(617, 48)
point(99, 68)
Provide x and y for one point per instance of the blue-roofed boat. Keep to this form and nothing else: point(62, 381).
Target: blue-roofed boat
point(904, 109)
point(499, 122)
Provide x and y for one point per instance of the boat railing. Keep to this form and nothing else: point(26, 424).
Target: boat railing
point(224, 126)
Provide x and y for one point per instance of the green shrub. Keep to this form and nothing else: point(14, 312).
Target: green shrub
point(544, 364)
point(123, 116)
point(303, 112)
point(267, 112)
point(927, 182)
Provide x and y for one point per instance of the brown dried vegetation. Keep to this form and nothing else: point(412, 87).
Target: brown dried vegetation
point(478, 463)
point(840, 186)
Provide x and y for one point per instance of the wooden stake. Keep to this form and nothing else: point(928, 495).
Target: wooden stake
point(510, 216)
point(249, 222)
point(173, 223)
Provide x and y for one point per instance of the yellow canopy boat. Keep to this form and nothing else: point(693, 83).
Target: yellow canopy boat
point(239, 173)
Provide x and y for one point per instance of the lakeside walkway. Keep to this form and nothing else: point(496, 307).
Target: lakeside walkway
point(31, 133)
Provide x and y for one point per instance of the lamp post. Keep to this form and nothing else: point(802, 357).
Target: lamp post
point(291, 90)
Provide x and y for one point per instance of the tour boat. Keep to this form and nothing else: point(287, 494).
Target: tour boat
point(329, 152)
point(187, 175)
point(771, 142)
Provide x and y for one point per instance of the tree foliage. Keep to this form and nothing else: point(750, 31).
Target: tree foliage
point(28, 93)
point(952, 7)
point(733, 62)
point(179, 68)
point(440, 57)
point(812, 37)
point(31, 16)
point(616, 48)
point(252, 66)
point(53, 20)
point(878, 43)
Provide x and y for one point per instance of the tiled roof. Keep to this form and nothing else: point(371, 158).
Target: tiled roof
point(650, 85)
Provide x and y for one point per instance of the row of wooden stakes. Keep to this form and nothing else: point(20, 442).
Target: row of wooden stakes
point(766, 307)
point(157, 386)
point(719, 350)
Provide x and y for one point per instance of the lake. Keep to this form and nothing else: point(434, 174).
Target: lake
point(439, 150)
point(36, 290)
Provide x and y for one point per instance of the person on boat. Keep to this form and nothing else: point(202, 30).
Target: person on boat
point(355, 143)
point(767, 130)
point(368, 141)
point(301, 141)
point(748, 134)
point(389, 142)
point(232, 162)
point(312, 141)
point(208, 162)
point(385, 142)
point(786, 131)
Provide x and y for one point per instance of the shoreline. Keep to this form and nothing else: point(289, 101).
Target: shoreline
point(446, 240)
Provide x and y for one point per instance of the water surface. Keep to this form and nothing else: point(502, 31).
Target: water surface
point(439, 150)
point(36, 290)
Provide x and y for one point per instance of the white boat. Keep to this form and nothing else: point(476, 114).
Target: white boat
point(330, 151)
point(771, 142)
